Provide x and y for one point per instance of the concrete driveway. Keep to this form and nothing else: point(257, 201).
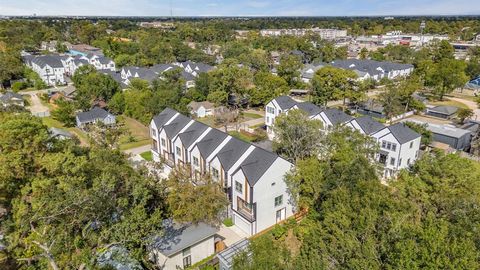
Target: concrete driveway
point(36, 107)
point(471, 105)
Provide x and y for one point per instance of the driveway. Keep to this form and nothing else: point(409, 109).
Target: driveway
point(138, 150)
point(471, 105)
point(36, 107)
point(231, 234)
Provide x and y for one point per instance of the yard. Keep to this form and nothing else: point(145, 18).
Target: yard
point(448, 102)
point(147, 155)
point(50, 122)
point(138, 134)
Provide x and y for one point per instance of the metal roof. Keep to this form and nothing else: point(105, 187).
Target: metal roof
point(178, 237)
point(227, 256)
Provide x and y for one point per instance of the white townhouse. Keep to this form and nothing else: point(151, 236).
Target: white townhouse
point(399, 145)
point(49, 67)
point(252, 177)
point(376, 70)
point(100, 62)
point(283, 104)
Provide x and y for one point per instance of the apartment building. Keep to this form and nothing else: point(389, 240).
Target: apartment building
point(399, 145)
point(251, 176)
point(329, 34)
point(50, 68)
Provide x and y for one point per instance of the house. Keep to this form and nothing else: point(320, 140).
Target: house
point(60, 134)
point(93, 116)
point(201, 109)
point(50, 68)
point(83, 50)
point(442, 111)
point(372, 108)
point(245, 171)
point(309, 70)
point(226, 257)
point(399, 145)
point(282, 104)
point(183, 245)
point(12, 98)
point(50, 46)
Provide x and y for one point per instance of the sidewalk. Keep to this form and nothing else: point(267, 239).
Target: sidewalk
point(231, 234)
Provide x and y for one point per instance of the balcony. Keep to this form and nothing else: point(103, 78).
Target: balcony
point(246, 210)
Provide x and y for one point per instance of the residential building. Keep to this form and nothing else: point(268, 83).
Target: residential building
point(11, 98)
point(83, 50)
point(245, 171)
point(50, 46)
point(93, 116)
point(201, 109)
point(329, 34)
point(399, 145)
point(59, 134)
point(376, 70)
point(183, 245)
point(309, 70)
point(442, 111)
point(50, 68)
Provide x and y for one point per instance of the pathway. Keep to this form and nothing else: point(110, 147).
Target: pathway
point(36, 107)
point(471, 105)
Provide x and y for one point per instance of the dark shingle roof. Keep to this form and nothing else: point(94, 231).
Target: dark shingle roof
point(9, 95)
point(368, 125)
point(309, 108)
point(53, 61)
point(178, 237)
point(93, 114)
point(231, 152)
point(174, 127)
point(336, 116)
point(256, 164)
point(163, 117)
point(210, 142)
point(442, 109)
point(285, 102)
point(403, 133)
point(192, 133)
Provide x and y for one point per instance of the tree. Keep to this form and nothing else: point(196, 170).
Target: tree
point(443, 51)
point(464, 113)
point(202, 200)
point(390, 100)
point(330, 83)
point(289, 68)
point(10, 66)
point(64, 112)
point(448, 75)
point(92, 86)
point(296, 135)
point(421, 129)
point(363, 53)
point(268, 86)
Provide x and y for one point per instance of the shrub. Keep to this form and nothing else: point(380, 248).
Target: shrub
point(228, 222)
point(278, 231)
point(17, 86)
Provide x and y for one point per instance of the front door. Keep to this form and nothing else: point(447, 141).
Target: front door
point(280, 215)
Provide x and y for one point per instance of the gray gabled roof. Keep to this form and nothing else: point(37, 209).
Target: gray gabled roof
point(163, 117)
point(256, 164)
point(178, 237)
point(403, 133)
point(92, 115)
point(9, 95)
point(369, 66)
point(174, 127)
point(285, 102)
point(231, 152)
point(210, 142)
point(309, 108)
point(442, 109)
point(192, 133)
point(368, 125)
point(336, 116)
point(53, 61)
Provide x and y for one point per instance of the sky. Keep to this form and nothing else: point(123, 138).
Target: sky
point(239, 7)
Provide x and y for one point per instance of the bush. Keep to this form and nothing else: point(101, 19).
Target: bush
point(278, 231)
point(17, 86)
point(228, 222)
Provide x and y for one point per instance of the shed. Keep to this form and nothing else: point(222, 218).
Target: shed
point(201, 109)
point(442, 111)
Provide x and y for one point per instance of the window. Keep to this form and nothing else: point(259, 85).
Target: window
point(278, 200)
point(408, 161)
point(392, 161)
point(195, 161)
point(186, 252)
point(179, 151)
point(384, 144)
point(154, 145)
point(187, 261)
point(154, 132)
point(389, 145)
point(394, 147)
point(268, 120)
point(271, 110)
point(214, 173)
point(163, 142)
point(411, 144)
point(238, 187)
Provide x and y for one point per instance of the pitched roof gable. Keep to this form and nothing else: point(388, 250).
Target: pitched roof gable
point(336, 116)
point(231, 152)
point(174, 127)
point(403, 133)
point(163, 117)
point(368, 125)
point(256, 164)
point(285, 102)
point(193, 132)
point(210, 142)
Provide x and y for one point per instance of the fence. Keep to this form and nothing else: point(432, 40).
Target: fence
point(42, 114)
point(400, 117)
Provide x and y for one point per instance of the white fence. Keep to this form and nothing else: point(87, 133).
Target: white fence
point(42, 114)
point(401, 116)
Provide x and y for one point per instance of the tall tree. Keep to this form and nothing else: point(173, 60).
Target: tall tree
point(289, 69)
point(330, 83)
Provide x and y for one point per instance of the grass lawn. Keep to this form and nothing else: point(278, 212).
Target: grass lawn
point(242, 136)
point(250, 116)
point(448, 102)
point(139, 133)
point(147, 155)
point(208, 120)
point(82, 136)
point(257, 126)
